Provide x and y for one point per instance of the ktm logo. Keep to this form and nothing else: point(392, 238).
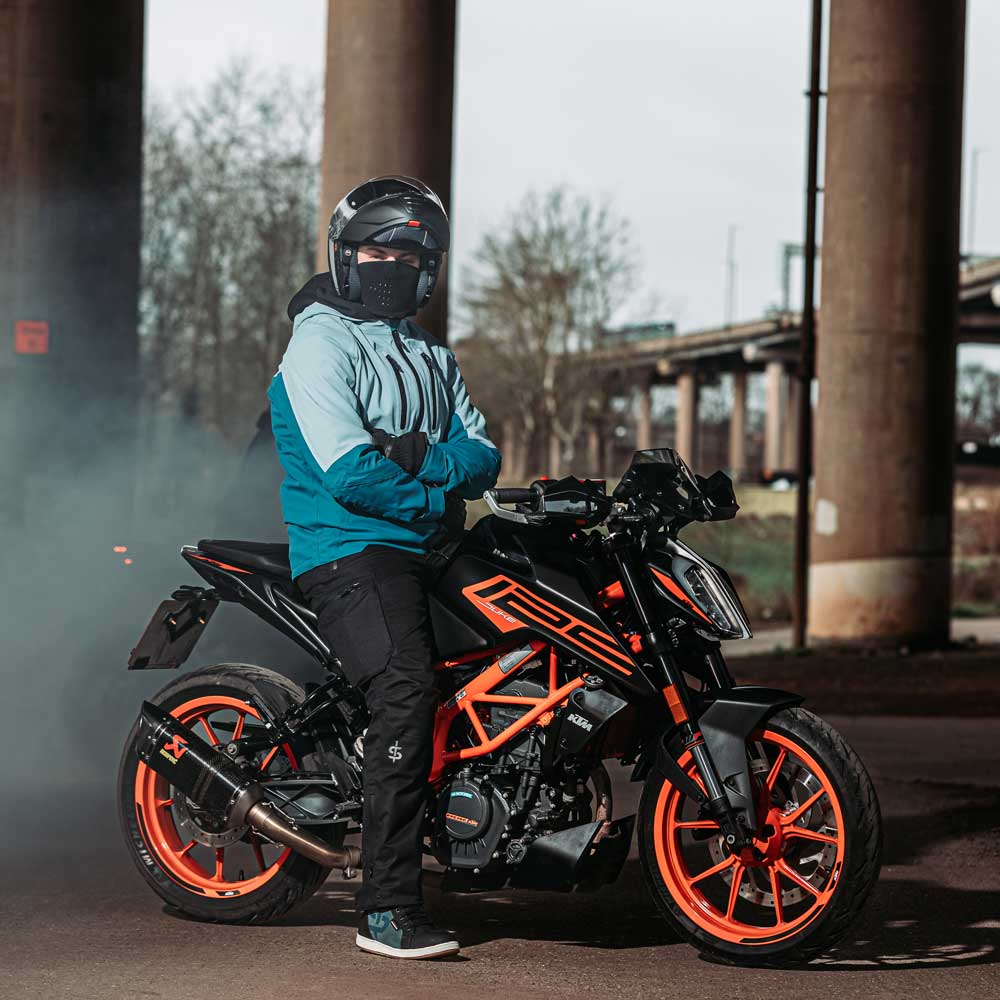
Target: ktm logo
point(177, 746)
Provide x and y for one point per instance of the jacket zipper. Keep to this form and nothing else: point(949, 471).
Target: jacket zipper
point(402, 390)
point(409, 364)
point(435, 418)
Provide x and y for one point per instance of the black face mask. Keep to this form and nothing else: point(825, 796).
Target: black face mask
point(389, 288)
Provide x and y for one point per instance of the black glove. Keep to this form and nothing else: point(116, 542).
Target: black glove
point(381, 440)
point(453, 519)
point(407, 451)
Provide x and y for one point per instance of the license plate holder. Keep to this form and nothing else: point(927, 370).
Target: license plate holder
point(172, 633)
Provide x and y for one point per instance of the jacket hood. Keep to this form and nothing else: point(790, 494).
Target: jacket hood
point(319, 288)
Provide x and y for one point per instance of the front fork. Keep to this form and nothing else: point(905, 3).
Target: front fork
point(657, 644)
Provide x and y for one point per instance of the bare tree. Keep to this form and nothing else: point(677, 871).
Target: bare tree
point(978, 402)
point(230, 196)
point(543, 289)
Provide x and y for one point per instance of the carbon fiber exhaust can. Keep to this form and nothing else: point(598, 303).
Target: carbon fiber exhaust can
point(214, 782)
point(205, 775)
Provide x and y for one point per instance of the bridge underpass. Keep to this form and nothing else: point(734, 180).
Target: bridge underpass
point(71, 122)
point(70, 173)
point(80, 922)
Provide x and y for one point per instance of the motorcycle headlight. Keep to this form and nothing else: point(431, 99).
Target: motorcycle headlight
point(713, 599)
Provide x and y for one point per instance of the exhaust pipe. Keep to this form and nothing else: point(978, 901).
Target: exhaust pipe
point(214, 782)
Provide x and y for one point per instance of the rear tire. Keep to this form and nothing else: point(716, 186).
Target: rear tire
point(154, 833)
point(820, 865)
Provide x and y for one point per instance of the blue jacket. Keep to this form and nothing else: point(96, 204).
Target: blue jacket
point(340, 379)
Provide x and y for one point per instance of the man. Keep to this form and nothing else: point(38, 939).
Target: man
point(377, 435)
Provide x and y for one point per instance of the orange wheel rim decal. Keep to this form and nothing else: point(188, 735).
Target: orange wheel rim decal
point(175, 852)
point(712, 895)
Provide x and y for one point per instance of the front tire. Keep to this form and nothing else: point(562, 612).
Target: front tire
point(221, 876)
point(814, 862)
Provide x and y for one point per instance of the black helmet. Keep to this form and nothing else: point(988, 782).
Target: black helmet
point(393, 211)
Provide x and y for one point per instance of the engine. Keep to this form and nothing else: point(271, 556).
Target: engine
point(472, 818)
point(490, 811)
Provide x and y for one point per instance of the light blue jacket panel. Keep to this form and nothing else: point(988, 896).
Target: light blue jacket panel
point(339, 380)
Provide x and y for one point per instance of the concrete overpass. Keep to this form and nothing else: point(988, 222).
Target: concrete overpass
point(768, 347)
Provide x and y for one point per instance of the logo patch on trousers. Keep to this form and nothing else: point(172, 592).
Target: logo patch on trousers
point(395, 752)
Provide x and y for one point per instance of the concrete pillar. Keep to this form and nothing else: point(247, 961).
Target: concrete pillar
point(389, 98)
point(881, 545)
point(774, 415)
point(70, 182)
point(738, 426)
point(687, 417)
point(790, 423)
point(644, 418)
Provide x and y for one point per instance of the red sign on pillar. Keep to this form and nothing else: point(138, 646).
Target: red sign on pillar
point(31, 337)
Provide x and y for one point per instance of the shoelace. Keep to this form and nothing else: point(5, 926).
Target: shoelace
point(412, 916)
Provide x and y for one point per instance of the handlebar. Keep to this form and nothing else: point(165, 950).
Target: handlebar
point(495, 497)
point(622, 515)
point(514, 495)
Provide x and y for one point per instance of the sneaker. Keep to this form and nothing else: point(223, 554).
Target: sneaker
point(404, 932)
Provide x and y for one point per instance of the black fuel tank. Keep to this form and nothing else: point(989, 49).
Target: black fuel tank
point(494, 598)
point(454, 636)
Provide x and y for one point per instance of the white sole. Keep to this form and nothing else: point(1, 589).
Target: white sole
point(431, 951)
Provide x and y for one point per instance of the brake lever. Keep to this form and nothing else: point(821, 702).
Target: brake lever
point(502, 512)
point(511, 515)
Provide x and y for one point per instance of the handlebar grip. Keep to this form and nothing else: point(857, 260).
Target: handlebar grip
point(514, 495)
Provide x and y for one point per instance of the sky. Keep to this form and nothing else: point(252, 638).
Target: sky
point(689, 118)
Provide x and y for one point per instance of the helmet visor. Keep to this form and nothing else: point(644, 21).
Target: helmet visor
point(408, 237)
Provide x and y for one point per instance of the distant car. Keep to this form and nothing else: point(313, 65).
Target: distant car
point(977, 453)
point(778, 479)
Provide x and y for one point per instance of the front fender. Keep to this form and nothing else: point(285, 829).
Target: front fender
point(725, 725)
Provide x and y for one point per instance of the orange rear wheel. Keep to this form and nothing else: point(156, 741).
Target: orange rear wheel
point(190, 850)
point(187, 855)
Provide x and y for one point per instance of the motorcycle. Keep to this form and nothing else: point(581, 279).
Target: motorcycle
point(572, 628)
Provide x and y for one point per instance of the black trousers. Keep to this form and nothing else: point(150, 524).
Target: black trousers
point(372, 610)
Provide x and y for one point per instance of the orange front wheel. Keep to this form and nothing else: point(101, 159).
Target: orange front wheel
point(813, 861)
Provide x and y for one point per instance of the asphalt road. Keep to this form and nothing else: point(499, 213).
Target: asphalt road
point(77, 922)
